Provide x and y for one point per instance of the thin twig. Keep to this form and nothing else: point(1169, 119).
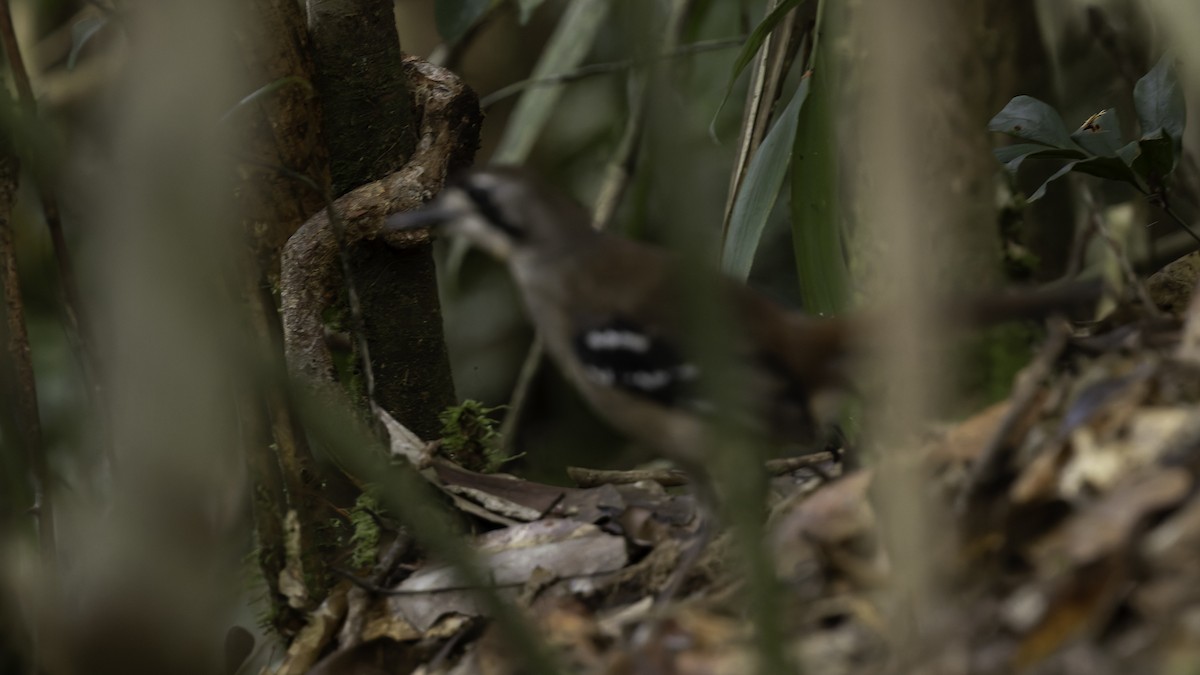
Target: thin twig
point(785, 465)
point(520, 395)
point(590, 70)
point(77, 328)
point(291, 448)
point(448, 55)
point(357, 598)
point(589, 478)
point(28, 417)
point(1130, 276)
point(1179, 221)
point(621, 164)
point(373, 587)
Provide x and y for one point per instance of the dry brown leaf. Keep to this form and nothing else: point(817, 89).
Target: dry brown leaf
point(1076, 606)
point(839, 511)
point(1039, 481)
point(381, 623)
point(514, 498)
point(369, 658)
point(568, 626)
point(1107, 527)
point(1097, 463)
point(1172, 545)
point(291, 577)
point(965, 441)
point(567, 549)
point(311, 641)
point(833, 529)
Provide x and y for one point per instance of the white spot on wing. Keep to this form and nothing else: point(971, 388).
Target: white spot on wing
point(650, 380)
point(611, 339)
point(602, 376)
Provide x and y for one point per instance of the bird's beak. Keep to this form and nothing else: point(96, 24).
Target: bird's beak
point(430, 216)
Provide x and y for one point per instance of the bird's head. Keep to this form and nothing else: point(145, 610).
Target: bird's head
point(502, 210)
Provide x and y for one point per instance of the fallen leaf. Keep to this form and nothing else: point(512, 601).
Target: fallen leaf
point(512, 555)
point(1077, 605)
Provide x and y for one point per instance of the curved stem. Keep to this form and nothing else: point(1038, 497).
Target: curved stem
point(1180, 221)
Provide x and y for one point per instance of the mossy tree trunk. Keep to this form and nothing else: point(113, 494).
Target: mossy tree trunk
point(371, 131)
point(332, 111)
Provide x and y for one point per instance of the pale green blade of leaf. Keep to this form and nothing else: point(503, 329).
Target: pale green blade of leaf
point(266, 90)
point(766, 86)
point(753, 44)
point(570, 43)
point(81, 32)
point(566, 49)
point(816, 229)
point(760, 188)
point(525, 9)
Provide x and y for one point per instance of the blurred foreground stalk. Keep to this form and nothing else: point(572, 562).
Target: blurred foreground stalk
point(157, 569)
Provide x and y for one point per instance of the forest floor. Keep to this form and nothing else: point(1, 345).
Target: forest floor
point(1064, 536)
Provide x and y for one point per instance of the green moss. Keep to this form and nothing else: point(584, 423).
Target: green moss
point(365, 539)
point(346, 363)
point(993, 360)
point(469, 437)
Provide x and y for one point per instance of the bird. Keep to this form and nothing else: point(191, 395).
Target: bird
point(610, 311)
point(613, 315)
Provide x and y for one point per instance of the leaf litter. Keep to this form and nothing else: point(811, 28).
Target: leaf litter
point(1073, 550)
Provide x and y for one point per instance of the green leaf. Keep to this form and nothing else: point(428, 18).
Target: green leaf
point(1011, 156)
point(816, 219)
point(1158, 99)
point(455, 17)
point(1041, 191)
point(1111, 168)
point(1007, 153)
point(753, 44)
point(82, 31)
point(1152, 157)
point(760, 188)
point(525, 9)
point(572, 40)
point(1101, 134)
point(1027, 118)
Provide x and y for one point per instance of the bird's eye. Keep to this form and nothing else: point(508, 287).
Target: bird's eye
point(491, 212)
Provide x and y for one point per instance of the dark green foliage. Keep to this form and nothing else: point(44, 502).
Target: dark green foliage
point(1097, 148)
